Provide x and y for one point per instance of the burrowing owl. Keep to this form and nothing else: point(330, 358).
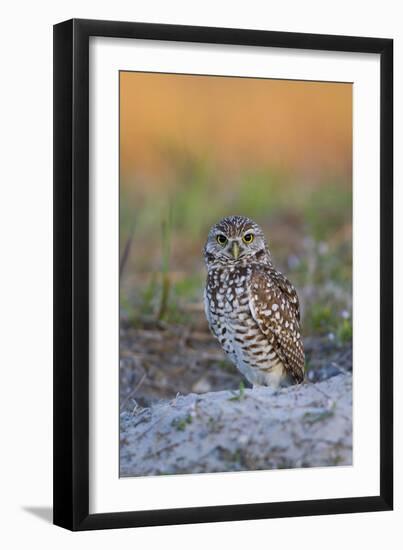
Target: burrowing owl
point(252, 309)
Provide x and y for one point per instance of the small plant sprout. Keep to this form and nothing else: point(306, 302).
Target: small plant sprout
point(180, 423)
point(241, 394)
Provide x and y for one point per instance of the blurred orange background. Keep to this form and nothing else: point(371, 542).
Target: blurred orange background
point(196, 148)
point(238, 123)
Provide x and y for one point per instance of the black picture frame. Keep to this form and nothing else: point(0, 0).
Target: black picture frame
point(71, 274)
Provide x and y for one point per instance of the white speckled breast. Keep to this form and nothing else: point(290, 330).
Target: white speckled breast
point(231, 321)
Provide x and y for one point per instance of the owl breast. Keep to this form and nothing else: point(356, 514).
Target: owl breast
point(231, 321)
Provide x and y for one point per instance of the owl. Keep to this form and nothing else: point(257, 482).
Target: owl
point(251, 308)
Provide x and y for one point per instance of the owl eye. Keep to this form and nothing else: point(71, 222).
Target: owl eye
point(221, 239)
point(248, 238)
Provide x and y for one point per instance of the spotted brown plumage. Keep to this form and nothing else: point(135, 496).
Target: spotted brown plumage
point(252, 309)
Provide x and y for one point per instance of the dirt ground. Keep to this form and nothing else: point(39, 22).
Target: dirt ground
point(159, 361)
point(303, 426)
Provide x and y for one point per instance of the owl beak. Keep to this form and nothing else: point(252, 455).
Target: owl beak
point(235, 250)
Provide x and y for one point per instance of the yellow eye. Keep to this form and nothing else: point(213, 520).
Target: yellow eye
point(221, 239)
point(248, 238)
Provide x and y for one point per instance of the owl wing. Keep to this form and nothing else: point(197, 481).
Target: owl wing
point(274, 305)
point(288, 290)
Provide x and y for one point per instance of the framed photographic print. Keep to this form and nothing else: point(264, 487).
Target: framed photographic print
point(223, 320)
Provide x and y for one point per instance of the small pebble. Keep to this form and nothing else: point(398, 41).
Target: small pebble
point(243, 439)
point(201, 386)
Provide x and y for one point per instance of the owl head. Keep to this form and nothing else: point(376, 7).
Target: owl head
point(235, 239)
